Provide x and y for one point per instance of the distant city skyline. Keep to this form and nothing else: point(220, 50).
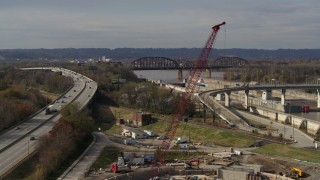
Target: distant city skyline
point(272, 24)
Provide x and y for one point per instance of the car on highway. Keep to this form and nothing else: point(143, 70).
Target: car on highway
point(17, 128)
point(32, 138)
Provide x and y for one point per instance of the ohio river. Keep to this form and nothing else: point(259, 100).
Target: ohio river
point(171, 76)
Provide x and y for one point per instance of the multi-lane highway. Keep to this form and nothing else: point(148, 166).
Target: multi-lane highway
point(16, 144)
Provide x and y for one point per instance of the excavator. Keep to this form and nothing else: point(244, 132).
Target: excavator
point(297, 172)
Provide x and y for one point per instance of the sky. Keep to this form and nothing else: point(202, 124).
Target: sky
point(257, 24)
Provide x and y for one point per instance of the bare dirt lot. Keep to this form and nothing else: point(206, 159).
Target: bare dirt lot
point(277, 165)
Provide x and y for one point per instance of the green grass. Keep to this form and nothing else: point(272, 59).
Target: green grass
point(114, 130)
point(205, 134)
point(289, 152)
point(106, 158)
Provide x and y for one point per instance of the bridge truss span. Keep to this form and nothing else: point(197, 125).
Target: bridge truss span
point(150, 63)
point(230, 61)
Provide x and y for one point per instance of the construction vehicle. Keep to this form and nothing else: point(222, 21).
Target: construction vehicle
point(193, 162)
point(190, 87)
point(182, 139)
point(297, 172)
point(121, 166)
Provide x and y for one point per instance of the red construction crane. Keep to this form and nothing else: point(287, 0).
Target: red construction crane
point(191, 85)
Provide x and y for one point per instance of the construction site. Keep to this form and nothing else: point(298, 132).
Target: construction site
point(144, 154)
point(189, 160)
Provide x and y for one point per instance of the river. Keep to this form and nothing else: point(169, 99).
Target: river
point(169, 76)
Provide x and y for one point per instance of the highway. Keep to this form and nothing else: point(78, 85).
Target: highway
point(16, 144)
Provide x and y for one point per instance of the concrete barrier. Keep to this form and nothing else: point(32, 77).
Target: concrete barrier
point(298, 122)
point(313, 127)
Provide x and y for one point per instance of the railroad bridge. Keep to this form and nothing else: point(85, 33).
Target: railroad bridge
point(159, 63)
point(163, 63)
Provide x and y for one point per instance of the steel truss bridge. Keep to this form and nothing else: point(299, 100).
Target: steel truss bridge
point(158, 63)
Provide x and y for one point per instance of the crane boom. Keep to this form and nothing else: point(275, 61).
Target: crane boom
point(191, 85)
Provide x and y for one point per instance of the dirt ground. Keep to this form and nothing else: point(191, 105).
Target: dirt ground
point(277, 165)
point(271, 164)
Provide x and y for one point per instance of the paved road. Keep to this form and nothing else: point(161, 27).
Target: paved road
point(86, 162)
point(303, 140)
point(288, 131)
point(16, 144)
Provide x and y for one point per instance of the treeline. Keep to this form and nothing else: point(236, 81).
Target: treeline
point(149, 97)
point(70, 133)
point(40, 79)
point(20, 94)
point(174, 53)
point(16, 105)
point(294, 72)
point(134, 93)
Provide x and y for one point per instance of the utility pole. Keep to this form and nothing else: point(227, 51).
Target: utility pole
point(28, 145)
point(284, 130)
point(204, 113)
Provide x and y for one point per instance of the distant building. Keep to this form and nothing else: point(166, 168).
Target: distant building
point(120, 121)
point(141, 119)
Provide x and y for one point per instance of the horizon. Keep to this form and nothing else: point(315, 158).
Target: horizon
point(159, 48)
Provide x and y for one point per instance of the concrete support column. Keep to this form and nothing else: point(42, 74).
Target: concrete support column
point(180, 74)
point(318, 99)
point(208, 73)
point(283, 96)
point(246, 99)
point(267, 94)
point(219, 97)
point(227, 98)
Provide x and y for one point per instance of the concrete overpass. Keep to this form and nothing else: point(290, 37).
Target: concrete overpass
point(311, 126)
point(268, 90)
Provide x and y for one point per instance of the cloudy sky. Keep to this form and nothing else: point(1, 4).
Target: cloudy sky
point(261, 24)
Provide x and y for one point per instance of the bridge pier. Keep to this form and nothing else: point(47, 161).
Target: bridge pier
point(267, 94)
point(180, 74)
point(318, 99)
point(246, 99)
point(227, 98)
point(283, 96)
point(219, 97)
point(208, 73)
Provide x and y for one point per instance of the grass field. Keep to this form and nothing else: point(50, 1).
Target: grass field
point(205, 134)
point(197, 133)
point(289, 152)
point(106, 158)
